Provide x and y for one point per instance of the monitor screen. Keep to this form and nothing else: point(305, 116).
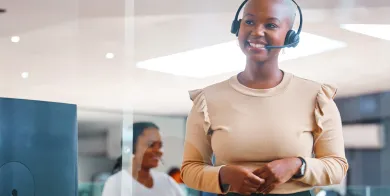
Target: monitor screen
point(38, 148)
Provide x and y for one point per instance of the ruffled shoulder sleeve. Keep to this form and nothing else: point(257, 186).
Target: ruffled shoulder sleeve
point(325, 106)
point(326, 94)
point(329, 166)
point(200, 106)
point(197, 170)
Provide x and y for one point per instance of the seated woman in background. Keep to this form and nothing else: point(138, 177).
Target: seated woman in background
point(118, 165)
point(139, 178)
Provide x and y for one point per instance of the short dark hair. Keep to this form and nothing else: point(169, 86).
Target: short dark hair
point(138, 129)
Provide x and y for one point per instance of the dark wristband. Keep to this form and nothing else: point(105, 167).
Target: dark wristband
point(302, 169)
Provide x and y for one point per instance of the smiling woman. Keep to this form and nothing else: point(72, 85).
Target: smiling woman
point(140, 178)
point(264, 124)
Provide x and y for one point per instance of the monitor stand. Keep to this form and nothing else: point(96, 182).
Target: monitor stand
point(19, 176)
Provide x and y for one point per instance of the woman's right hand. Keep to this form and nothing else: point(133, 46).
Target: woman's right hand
point(241, 180)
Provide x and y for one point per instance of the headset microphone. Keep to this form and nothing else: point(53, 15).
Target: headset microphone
point(292, 37)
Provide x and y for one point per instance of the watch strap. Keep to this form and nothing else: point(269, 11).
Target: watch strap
point(302, 169)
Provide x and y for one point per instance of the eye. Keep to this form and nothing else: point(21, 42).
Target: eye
point(271, 26)
point(249, 22)
point(154, 144)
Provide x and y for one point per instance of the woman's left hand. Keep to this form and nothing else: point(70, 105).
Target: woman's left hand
point(277, 172)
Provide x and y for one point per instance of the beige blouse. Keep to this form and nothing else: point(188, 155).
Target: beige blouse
point(251, 127)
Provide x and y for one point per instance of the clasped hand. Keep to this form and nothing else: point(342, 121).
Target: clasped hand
point(264, 179)
point(276, 173)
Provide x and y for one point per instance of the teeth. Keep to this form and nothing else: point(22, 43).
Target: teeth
point(256, 45)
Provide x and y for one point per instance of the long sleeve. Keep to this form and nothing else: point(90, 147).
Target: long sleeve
point(329, 165)
point(197, 170)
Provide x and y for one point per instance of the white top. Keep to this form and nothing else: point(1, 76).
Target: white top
point(123, 184)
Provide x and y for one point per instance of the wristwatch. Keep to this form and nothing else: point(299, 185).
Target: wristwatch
point(302, 169)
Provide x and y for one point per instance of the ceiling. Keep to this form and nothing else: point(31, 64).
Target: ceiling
point(63, 46)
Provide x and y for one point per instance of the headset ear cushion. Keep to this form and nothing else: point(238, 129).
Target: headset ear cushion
point(238, 27)
point(291, 37)
point(235, 27)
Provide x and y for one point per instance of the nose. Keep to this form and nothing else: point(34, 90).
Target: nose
point(159, 152)
point(258, 30)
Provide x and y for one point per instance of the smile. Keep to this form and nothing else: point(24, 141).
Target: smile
point(256, 45)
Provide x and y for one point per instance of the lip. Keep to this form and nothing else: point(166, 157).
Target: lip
point(256, 49)
point(156, 157)
point(257, 42)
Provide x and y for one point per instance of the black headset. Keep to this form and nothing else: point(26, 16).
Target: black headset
point(292, 37)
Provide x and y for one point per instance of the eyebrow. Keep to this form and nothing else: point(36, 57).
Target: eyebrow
point(273, 18)
point(249, 15)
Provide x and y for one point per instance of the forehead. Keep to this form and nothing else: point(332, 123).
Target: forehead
point(150, 134)
point(270, 8)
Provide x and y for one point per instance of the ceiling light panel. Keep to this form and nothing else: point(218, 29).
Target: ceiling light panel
point(227, 57)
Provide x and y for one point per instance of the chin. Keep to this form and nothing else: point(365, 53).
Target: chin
point(258, 58)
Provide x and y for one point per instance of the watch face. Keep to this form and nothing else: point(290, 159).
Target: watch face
point(303, 168)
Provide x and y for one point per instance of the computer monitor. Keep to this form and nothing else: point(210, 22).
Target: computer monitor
point(38, 148)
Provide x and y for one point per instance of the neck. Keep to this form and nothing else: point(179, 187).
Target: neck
point(262, 71)
point(261, 75)
point(138, 172)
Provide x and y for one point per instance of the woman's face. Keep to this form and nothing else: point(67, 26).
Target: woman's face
point(149, 148)
point(264, 23)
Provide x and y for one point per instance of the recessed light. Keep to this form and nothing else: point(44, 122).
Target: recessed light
point(15, 39)
point(227, 57)
point(25, 75)
point(110, 55)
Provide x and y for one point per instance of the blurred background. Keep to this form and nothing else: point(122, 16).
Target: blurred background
point(124, 61)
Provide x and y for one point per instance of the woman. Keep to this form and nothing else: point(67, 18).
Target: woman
point(264, 124)
point(140, 178)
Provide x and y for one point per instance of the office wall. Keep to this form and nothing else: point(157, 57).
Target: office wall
point(370, 167)
point(385, 158)
point(91, 165)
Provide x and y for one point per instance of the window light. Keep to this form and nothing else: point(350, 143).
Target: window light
point(381, 31)
point(227, 57)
